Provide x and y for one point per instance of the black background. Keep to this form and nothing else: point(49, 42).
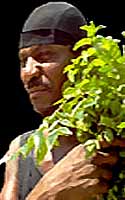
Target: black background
point(17, 115)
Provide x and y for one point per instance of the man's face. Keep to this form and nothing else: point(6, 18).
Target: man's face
point(42, 74)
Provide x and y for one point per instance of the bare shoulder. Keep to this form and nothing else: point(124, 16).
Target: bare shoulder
point(14, 145)
point(19, 141)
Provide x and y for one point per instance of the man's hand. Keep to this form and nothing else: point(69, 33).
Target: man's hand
point(75, 177)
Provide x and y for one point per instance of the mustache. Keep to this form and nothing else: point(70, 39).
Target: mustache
point(35, 82)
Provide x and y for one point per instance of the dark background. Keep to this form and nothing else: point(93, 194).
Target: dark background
point(17, 115)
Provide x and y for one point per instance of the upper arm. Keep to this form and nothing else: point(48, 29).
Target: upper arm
point(10, 184)
point(12, 165)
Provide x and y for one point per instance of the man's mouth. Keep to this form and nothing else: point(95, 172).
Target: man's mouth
point(37, 89)
point(38, 92)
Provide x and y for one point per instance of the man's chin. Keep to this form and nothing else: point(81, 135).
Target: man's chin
point(44, 111)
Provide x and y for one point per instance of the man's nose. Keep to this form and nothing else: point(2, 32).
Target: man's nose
point(32, 69)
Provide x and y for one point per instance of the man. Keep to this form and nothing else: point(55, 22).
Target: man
point(45, 48)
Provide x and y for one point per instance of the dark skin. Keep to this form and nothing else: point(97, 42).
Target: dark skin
point(42, 75)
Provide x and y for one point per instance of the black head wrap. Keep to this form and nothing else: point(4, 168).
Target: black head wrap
point(53, 22)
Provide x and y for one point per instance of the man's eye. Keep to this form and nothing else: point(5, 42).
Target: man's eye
point(42, 58)
point(23, 64)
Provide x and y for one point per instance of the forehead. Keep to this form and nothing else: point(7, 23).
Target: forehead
point(43, 49)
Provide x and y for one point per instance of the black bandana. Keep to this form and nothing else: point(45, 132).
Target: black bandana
point(54, 22)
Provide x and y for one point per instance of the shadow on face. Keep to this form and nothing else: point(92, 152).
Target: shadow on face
point(42, 73)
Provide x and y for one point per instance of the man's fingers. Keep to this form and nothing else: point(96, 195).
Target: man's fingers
point(105, 158)
point(101, 173)
point(105, 174)
point(88, 190)
point(118, 142)
point(97, 189)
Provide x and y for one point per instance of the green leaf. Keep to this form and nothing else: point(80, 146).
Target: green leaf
point(40, 146)
point(68, 68)
point(67, 122)
point(90, 146)
point(79, 114)
point(71, 75)
point(107, 121)
point(53, 136)
point(108, 135)
point(123, 33)
point(98, 62)
point(91, 51)
point(71, 92)
point(121, 125)
point(90, 102)
point(26, 148)
point(64, 131)
point(115, 107)
point(91, 29)
point(82, 42)
point(53, 125)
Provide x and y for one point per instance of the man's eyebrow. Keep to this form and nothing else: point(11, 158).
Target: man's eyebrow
point(35, 50)
point(27, 51)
